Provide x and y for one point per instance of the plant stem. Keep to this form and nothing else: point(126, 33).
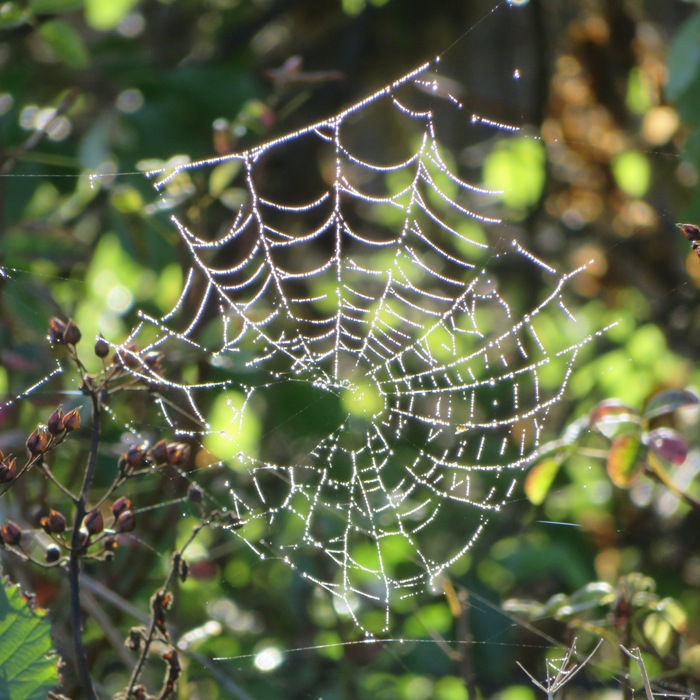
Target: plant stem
point(76, 553)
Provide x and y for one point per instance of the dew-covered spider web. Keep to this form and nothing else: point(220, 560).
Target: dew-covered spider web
point(372, 351)
point(371, 389)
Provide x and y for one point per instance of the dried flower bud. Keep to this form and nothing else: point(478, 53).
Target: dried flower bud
point(111, 542)
point(153, 360)
point(178, 454)
point(136, 456)
point(101, 347)
point(72, 334)
point(11, 533)
point(71, 421)
point(195, 493)
point(128, 356)
point(56, 330)
point(8, 469)
point(133, 641)
point(126, 521)
point(54, 523)
point(159, 452)
point(120, 505)
point(55, 422)
point(53, 553)
point(94, 522)
point(38, 441)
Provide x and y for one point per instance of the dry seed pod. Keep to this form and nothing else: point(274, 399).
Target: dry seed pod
point(55, 423)
point(178, 454)
point(111, 542)
point(72, 334)
point(71, 420)
point(8, 469)
point(94, 522)
point(53, 553)
point(159, 452)
point(137, 455)
point(120, 505)
point(54, 523)
point(126, 521)
point(101, 347)
point(195, 493)
point(56, 330)
point(11, 533)
point(38, 441)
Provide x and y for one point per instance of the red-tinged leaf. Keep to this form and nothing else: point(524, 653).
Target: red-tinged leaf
point(540, 478)
point(608, 416)
point(668, 445)
point(624, 464)
point(669, 401)
point(611, 407)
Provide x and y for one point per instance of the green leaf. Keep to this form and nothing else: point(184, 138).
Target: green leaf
point(65, 42)
point(52, 7)
point(669, 401)
point(684, 58)
point(623, 464)
point(29, 669)
point(540, 479)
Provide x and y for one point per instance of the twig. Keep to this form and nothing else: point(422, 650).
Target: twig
point(636, 655)
point(77, 546)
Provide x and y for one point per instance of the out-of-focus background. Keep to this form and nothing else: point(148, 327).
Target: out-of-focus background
point(94, 92)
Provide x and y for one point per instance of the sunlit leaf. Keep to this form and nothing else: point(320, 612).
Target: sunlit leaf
point(29, 671)
point(592, 595)
point(668, 445)
point(608, 416)
point(540, 479)
point(659, 632)
point(669, 401)
point(623, 463)
point(674, 614)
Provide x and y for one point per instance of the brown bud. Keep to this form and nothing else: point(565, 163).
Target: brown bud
point(54, 523)
point(72, 334)
point(153, 360)
point(8, 469)
point(38, 441)
point(128, 356)
point(120, 505)
point(159, 452)
point(111, 542)
point(55, 421)
point(101, 347)
point(136, 456)
point(71, 420)
point(53, 553)
point(126, 521)
point(178, 454)
point(56, 330)
point(133, 641)
point(94, 522)
point(11, 533)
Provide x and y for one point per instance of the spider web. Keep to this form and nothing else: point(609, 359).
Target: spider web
point(372, 390)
